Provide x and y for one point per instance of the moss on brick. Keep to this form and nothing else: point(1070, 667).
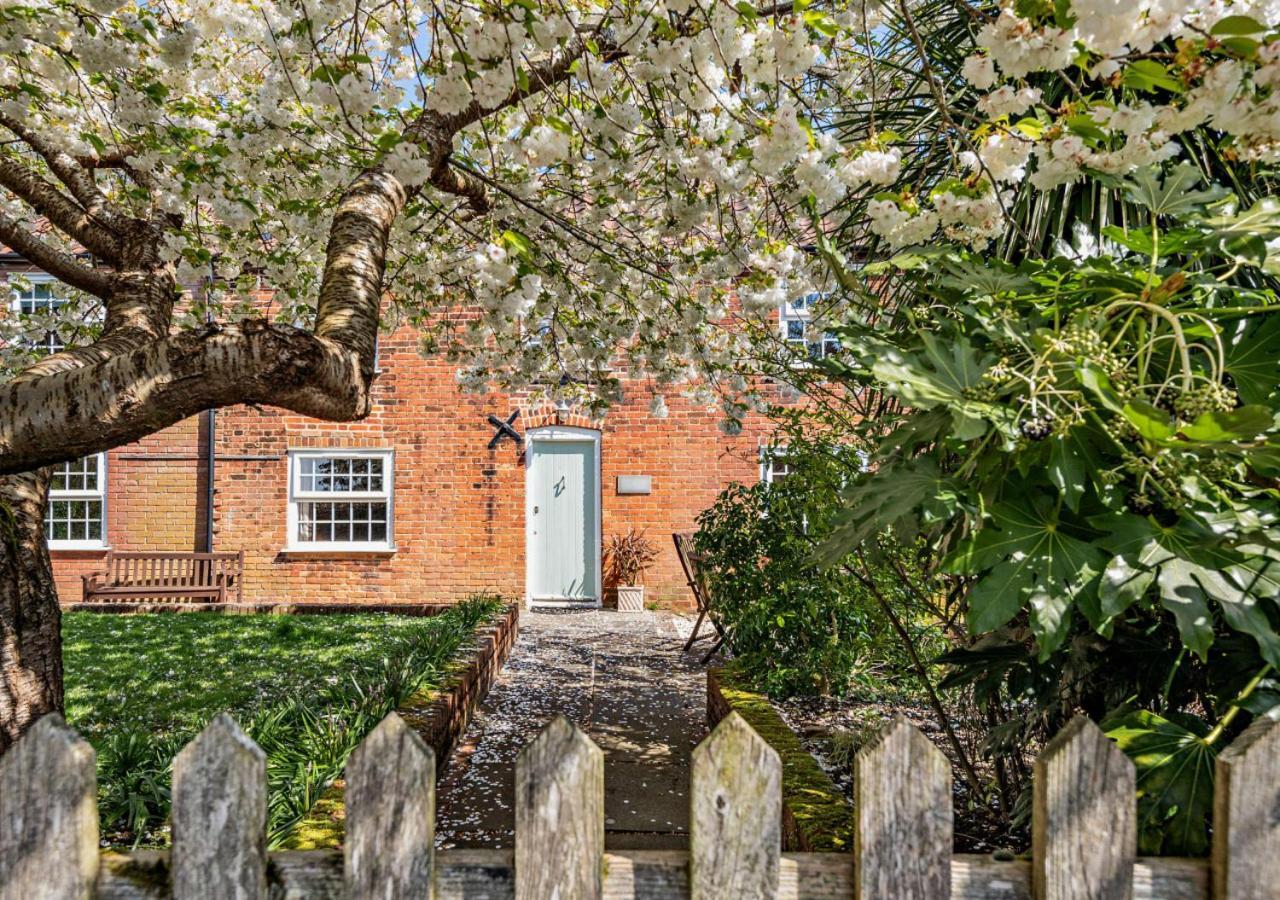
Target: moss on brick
point(324, 825)
point(821, 814)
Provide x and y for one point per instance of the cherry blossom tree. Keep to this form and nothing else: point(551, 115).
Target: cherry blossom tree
point(536, 184)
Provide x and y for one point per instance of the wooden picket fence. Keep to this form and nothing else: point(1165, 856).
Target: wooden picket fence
point(1083, 844)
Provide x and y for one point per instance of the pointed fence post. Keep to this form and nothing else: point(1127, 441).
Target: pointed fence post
point(1084, 828)
point(1246, 814)
point(391, 815)
point(220, 815)
point(735, 815)
point(903, 817)
point(560, 816)
point(48, 814)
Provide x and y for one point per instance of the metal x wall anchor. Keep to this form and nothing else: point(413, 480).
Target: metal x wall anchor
point(505, 429)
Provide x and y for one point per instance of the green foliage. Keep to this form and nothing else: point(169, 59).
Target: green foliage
point(306, 688)
point(796, 627)
point(1090, 439)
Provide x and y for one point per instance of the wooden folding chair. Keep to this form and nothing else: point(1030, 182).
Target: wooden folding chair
point(691, 562)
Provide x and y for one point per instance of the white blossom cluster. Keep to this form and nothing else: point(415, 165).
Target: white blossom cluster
point(664, 179)
point(1143, 74)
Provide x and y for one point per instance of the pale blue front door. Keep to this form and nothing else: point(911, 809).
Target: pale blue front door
point(563, 520)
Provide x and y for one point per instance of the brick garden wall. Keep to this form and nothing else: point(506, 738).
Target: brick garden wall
point(459, 506)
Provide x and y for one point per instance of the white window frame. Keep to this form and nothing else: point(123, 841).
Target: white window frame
point(74, 496)
point(769, 455)
point(15, 304)
point(297, 496)
point(787, 314)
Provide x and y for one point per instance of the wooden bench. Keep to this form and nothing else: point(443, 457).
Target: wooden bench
point(143, 576)
point(691, 562)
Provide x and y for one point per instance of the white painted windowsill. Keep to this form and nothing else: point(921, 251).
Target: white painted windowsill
point(338, 551)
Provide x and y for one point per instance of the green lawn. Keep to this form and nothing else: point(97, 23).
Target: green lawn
point(307, 688)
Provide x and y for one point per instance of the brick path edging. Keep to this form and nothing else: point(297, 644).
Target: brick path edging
point(815, 815)
point(444, 720)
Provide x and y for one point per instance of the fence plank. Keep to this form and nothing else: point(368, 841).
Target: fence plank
point(735, 815)
point(220, 815)
point(903, 817)
point(1084, 828)
point(559, 816)
point(391, 814)
point(1246, 814)
point(48, 814)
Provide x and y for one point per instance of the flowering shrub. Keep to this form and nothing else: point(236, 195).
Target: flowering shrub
point(1080, 323)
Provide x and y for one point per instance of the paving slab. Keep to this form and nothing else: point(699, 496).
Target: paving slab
point(621, 678)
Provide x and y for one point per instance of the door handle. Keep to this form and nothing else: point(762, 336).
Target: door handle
point(535, 510)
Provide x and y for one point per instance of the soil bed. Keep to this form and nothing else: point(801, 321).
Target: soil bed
point(832, 729)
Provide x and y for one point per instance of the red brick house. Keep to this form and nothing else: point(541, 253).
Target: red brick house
point(418, 502)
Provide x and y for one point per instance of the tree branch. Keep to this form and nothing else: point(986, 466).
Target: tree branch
point(62, 212)
point(127, 396)
point(453, 181)
point(76, 177)
point(58, 263)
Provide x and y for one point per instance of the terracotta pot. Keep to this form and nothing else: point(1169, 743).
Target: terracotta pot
point(631, 598)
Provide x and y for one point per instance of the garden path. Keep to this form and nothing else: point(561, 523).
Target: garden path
point(622, 679)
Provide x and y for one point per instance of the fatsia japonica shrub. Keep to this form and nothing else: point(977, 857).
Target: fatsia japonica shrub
point(1090, 439)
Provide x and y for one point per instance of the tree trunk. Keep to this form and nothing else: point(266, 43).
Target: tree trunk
point(30, 621)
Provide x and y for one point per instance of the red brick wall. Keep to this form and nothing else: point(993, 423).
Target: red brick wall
point(458, 506)
point(155, 501)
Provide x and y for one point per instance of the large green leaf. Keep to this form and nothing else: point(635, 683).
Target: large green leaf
point(1253, 358)
point(1229, 426)
point(1175, 768)
point(1026, 559)
point(1193, 568)
point(1122, 585)
point(894, 496)
point(1173, 195)
point(1243, 236)
point(1073, 462)
point(936, 374)
point(1183, 594)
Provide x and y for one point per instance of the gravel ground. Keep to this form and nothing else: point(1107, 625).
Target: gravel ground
point(621, 678)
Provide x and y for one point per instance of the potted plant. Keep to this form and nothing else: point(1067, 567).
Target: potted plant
point(627, 557)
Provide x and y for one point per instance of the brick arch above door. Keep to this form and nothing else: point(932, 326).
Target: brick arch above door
point(543, 414)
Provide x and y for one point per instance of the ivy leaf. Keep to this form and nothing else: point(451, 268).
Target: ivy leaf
point(1174, 779)
point(1175, 194)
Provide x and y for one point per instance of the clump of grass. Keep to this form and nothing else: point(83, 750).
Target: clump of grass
point(352, 674)
point(843, 745)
